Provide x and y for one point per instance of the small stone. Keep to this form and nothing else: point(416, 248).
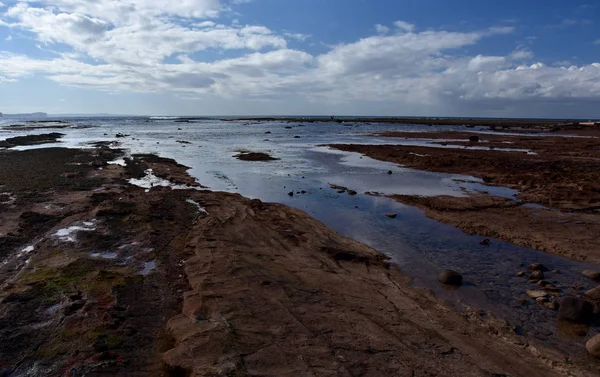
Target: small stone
point(352, 192)
point(536, 275)
point(593, 346)
point(575, 309)
point(557, 271)
point(537, 267)
point(485, 242)
point(590, 274)
point(541, 300)
point(391, 215)
point(521, 273)
point(474, 139)
point(389, 172)
point(451, 277)
point(577, 286)
point(543, 283)
point(291, 193)
point(551, 305)
point(536, 294)
point(593, 294)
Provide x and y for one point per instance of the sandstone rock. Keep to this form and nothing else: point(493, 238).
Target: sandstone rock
point(594, 275)
point(451, 277)
point(593, 294)
point(593, 346)
point(536, 294)
point(536, 275)
point(575, 309)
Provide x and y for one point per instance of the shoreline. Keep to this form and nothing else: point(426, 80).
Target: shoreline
point(126, 281)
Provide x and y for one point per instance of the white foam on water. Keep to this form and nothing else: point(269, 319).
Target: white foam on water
point(200, 208)
point(151, 180)
point(120, 162)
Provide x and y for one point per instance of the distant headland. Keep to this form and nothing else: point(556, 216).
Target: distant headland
point(28, 115)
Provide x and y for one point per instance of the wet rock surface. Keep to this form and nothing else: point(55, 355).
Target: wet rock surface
point(254, 156)
point(244, 288)
point(30, 140)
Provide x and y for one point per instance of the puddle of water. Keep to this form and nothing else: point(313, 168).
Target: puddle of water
point(68, 234)
point(148, 268)
point(107, 255)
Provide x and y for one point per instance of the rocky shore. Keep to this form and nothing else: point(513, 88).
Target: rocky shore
point(101, 277)
point(556, 209)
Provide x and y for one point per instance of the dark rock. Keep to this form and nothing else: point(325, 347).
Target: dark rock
point(536, 294)
point(450, 277)
point(474, 139)
point(291, 193)
point(121, 135)
point(590, 274)
point(268, 132)
point(352, 192)
point(74, 307)
point(557, 271)
point(521, 274)
point(389, 172)
point(537, 267)
point(296, 137)
point(575, 309)
point(536, 275)
point(254, 156)
point(288, 127)
point(183, 142)
point(391, 215)
point(485, 242)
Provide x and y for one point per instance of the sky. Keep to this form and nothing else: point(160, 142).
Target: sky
point(510, 58)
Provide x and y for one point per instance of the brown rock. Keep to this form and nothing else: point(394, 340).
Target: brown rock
point(521, 273)
point(391, 215)
point(536, 294)
point(536, 275)
point(593, 346)
point(593, 294)
point(590, 274)
point(541, 300)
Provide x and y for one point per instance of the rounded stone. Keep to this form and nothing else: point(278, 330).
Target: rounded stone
point(451, 277)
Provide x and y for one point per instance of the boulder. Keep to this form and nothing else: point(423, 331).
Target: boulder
point(590, 274)
point(593, 346)
point(536, 275)
point(450, 277)
point(575, 309)
point(593, 294)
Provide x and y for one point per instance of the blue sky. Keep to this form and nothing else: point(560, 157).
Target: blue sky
point(256, 57)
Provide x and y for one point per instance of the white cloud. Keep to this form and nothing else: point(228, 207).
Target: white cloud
point(9, 38)
point(130, 40)
point(297, 36)
point(405, 26)
point(597, 42)
point(382, 29)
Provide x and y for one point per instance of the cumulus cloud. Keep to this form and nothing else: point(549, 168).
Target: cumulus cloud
point(404, 26)
point(130, 42)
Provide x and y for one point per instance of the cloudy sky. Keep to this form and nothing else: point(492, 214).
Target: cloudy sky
point(534, 58)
